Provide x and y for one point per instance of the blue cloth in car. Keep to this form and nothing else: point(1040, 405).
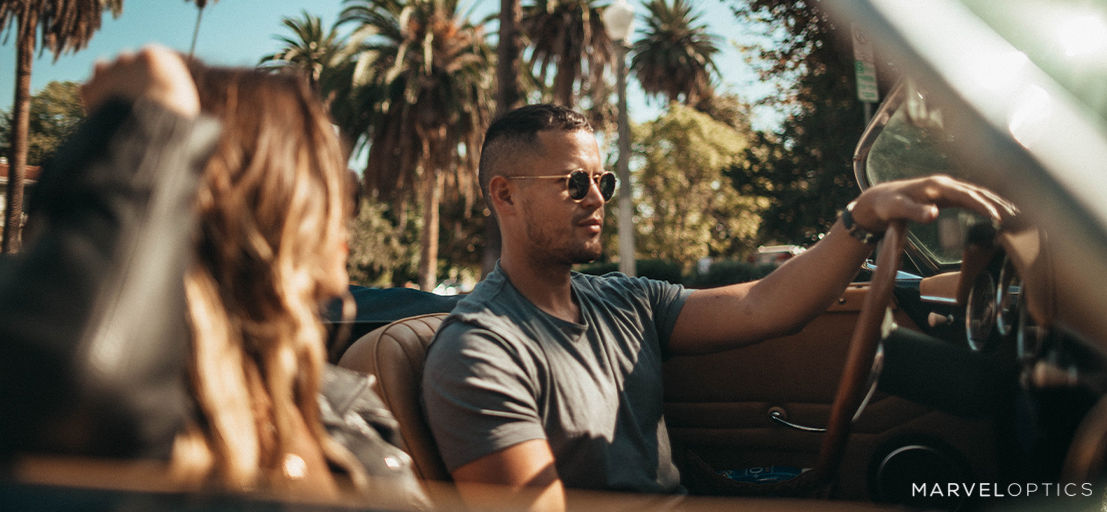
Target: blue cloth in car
point(762, 475)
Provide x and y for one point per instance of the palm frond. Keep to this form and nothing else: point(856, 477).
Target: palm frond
point(61, 26)
point(675, 57)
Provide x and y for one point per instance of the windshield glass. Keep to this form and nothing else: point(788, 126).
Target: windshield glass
point(914, 143)
point(1065, 39)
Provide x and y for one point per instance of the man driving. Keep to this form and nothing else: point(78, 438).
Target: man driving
point(544, 379)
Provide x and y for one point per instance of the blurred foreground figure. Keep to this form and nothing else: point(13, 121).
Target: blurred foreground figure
point(196, 197)
point(272, 213)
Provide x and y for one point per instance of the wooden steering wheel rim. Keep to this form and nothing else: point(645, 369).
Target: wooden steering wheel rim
point(862, 350)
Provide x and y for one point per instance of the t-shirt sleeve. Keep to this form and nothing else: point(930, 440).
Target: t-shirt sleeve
point(479, 393)
point(666, 300)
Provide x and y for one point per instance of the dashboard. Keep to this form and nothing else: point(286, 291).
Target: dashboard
point(1003, 308)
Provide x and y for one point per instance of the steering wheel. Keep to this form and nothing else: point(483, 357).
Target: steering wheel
point(856, 377)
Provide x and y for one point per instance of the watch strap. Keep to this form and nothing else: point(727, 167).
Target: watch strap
point(861, 234)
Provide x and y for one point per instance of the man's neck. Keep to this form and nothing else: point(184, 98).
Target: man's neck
point(547, 286)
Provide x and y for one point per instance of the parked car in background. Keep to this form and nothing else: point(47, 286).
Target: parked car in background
point(774, 254)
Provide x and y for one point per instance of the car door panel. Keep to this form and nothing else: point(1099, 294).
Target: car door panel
point(718, 406)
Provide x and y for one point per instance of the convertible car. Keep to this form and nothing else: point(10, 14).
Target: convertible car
point(968, 371)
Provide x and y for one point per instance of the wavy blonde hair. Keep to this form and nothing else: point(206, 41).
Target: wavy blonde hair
point(272, 211)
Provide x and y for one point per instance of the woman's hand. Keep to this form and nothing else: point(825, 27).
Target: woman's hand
point(155, 73)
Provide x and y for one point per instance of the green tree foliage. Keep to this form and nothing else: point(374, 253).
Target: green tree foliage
point(55, 112)
point(687, 209)
point(428, 98)
point(384, 252)
point(727, 108)
point(675, 56)
point(461, 240)
point(379, 254)
point(805, 170)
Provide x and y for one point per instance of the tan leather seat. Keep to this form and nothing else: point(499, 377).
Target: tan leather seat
point(395, 354)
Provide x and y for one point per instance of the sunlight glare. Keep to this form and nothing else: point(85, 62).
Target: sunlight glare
point(1029, 121)
point(1001, 72)
point(1083, 36)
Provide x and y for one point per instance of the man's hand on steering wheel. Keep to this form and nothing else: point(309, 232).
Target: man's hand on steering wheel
point(919, 199)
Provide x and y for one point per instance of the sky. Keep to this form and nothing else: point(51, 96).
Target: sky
point(240, 32)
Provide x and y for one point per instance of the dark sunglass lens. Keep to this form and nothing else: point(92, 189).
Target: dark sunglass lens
point(579, 183)
point(607, 185)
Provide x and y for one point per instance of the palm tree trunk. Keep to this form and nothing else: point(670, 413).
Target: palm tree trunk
point(428, 254)
point(508, 91)
point(563, 86)
point(21, 118)
point(196, 31)
point(508, 95)
point(568, 71)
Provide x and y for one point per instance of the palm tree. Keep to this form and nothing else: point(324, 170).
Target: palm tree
point(429, 93)
point(675, 57)
point(311, 50)
point(569, 35)
point(336, 67)
point(200, 4)
point(328, 62)
point(509, 94)
point(62, 25)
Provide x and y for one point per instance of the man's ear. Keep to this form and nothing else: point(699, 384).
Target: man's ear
point(499, 188)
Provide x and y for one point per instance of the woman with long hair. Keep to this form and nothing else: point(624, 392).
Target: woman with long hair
point(189, 236)
point(270, 250)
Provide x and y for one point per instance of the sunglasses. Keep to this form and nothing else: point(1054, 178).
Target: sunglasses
point(580, 182)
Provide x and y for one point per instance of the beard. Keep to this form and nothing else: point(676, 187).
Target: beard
point(560, 245)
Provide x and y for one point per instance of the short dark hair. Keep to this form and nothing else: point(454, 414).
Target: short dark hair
point(517, 131)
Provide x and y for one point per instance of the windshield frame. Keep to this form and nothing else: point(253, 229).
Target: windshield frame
point(876, 126)
point(922, 259)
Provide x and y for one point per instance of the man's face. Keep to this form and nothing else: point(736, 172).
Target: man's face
point(559, 228)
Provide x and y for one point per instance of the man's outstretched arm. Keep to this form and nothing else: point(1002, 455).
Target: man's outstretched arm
point(522, 476)
point(801, 289)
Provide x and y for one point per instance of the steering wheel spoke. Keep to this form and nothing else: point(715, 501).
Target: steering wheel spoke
point(863, 361)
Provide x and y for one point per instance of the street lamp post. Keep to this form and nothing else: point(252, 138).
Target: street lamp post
point(618, 20)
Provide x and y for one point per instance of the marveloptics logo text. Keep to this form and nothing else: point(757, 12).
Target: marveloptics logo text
point(993, 490)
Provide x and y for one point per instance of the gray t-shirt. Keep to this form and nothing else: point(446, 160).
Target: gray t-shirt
point(501, 371)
